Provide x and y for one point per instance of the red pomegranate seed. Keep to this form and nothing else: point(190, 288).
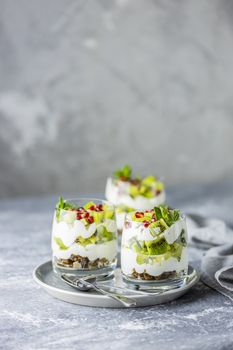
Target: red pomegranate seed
point(139, 214)
point(92, 207)
point(86, 215)
point(90, 220)
point(146, 223)
point(79, 216)
point(100, 207)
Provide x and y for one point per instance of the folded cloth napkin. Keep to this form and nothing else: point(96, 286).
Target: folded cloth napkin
point(206, 233)
point(217, 269)
point(217, 263)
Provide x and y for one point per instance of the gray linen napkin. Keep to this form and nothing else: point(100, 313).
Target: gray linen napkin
point(217, 269)
point(205, 233)
point(217, 263)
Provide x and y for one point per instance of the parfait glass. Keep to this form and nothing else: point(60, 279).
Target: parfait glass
point(84, 237)
point(152, 256)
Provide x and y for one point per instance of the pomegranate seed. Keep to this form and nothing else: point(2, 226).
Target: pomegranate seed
point(90, 220)
point(139, 214)
point(80, 211)
point(79, 216)
point(146, 223)
point(92, 207)
point(100, 207)
point(86, 215)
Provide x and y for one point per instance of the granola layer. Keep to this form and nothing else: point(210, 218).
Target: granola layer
point(77, 261)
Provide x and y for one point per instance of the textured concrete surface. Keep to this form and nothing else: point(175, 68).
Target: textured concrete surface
point(30, 319)
point(86, 86)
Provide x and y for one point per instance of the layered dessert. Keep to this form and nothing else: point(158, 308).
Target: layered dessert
point(154, 245)
point(84, 235)
point(129, 193)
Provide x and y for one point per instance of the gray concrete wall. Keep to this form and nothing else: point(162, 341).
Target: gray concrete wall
point(86, 86)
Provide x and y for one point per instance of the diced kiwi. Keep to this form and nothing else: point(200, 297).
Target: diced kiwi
point(109, 214)
point(86, 241)
point(88, 205)
point(98, 216)
point(149, 180)
point(133, 191)
point(140, 259)
point(157, 247)
point(60, 243)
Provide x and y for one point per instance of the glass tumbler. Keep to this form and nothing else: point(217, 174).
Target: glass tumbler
point(152, 251)
point(84, 237)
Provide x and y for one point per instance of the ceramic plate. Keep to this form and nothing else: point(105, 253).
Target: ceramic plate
point(53, 284)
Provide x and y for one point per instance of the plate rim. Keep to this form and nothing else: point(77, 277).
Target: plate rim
point(105, 297)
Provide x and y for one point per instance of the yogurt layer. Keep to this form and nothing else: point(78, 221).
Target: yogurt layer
point(142, 233)
point(129, 263)
point(68, 232)
point(105, 250)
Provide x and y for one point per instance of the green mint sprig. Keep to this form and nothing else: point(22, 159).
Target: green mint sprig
point(170, 216)
point(62, 204)
point(123, 173)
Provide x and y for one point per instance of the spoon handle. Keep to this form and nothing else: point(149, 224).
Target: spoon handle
point(126, 301)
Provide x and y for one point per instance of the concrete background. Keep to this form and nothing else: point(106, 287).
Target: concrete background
point(86, 86)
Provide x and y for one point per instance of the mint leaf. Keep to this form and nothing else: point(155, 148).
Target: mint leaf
point(170, 216)
point(61, 204)
point(158, 213)
point(167, 216)
point(124, 173)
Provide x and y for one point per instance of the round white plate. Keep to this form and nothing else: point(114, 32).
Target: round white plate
point(52, 283)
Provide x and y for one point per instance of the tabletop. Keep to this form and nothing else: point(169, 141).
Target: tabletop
point(32, 319)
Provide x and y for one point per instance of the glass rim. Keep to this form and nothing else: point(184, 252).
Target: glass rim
point(158, 179)
point(87, 199)
point(128, 216)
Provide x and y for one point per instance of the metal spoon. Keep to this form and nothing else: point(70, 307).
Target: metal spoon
point(87, 283)
point(75, 282)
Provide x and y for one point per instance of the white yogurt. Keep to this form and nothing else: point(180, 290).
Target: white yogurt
point(107, 250)
point(129, 263)
point(142, 233)
point(68, 232)
point(173, 232)
point(70, 229)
